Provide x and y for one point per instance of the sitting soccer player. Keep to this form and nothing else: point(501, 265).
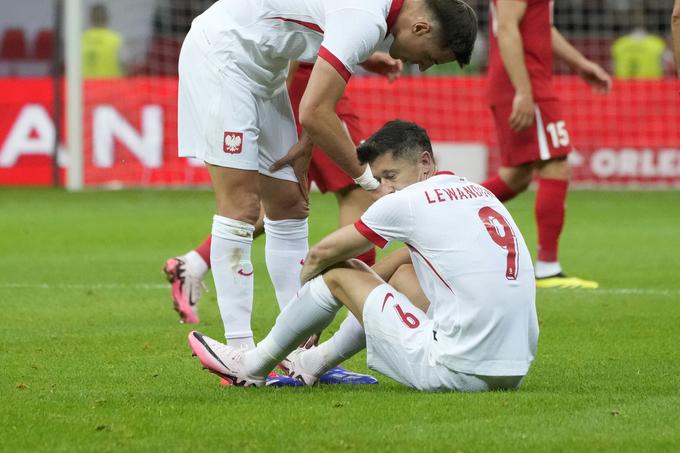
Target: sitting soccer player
point(458, 312)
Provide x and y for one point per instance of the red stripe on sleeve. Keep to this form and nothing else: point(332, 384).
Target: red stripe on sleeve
point(369, 234)
point(335, 62)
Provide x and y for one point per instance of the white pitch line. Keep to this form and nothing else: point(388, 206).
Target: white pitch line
point(620, 291)
point(164, 286)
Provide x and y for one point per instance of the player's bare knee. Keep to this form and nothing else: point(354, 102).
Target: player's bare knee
point(556, 169)
point(402, 270)
point(283, 208)
point(244, 207)
point(517, 178)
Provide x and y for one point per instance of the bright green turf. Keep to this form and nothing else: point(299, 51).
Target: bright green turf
point(93, 368)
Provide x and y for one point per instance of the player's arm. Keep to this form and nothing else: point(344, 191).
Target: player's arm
point(509, 16)
point(321, 122)
point(590, 71)
point(337, 247)
point(675, 27)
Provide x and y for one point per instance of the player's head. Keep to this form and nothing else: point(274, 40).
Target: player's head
point(99, 15)
point(400, 154)
point(429, 32)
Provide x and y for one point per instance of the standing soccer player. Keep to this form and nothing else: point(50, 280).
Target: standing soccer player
point(531, 129)
point(234, 113)
point(466, 265)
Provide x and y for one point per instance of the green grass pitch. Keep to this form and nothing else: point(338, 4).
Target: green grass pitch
point(92, 357)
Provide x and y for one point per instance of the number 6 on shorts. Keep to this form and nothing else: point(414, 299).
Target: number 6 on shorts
point(407, 318)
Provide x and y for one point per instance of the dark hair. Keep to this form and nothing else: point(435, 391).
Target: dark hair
point(403, 139)
point(99, 14)
point(457, 27)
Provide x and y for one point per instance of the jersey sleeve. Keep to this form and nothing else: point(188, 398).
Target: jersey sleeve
point(388, 219)
point(351, 35)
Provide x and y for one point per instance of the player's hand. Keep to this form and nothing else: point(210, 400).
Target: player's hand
point(596, 77)
point(380, 192)
point(381, 63)
point(298, 157)
point(522, 115)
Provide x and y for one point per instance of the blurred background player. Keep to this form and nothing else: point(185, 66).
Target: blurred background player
point(675, 25)
point(101, 47)
point(532, 132)
point(639, 54)
point(465, 261)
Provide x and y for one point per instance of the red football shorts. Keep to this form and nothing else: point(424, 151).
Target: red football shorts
point(322, 170)
point(547, 138)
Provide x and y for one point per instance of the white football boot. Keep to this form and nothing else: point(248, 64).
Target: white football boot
point(223, 360)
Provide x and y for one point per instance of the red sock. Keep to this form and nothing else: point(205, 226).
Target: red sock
point(204, 250)
point(499, 188)
point(368, 257)
point(551, 200)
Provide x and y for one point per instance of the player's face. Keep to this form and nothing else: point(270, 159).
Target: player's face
point(420, 46)
point(395, 174)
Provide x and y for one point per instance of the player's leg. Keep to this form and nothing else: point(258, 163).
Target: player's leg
point(238, 207)
point(406, 282)
point(551, 199)
point(518, 151)
point(185, 274)
point(217, 122)
point(285, 204)
point(554, 174)
point(350, 337)
point(311, 310)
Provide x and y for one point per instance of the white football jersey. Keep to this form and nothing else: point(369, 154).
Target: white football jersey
point(474, 267)
point(256, 38)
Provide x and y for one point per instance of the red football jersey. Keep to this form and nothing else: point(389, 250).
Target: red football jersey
point(535, 28)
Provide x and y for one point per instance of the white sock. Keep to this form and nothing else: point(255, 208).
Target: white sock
point(233, 274)
point(544, 269)
point(347, 341)
point(195, 264)
point(285, 249)
point(310, 311)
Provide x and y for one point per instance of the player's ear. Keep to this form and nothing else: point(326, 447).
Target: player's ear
point(426, 161)
point(421, 28)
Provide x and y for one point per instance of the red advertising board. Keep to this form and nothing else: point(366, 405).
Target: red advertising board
point(630, 137)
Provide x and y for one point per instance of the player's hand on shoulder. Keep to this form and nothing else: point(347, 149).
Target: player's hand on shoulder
point(596, 77)
point(522, 115)
point(381, 63)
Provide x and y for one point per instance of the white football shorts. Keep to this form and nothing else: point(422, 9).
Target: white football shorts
point(399, 338)
point(220, 121)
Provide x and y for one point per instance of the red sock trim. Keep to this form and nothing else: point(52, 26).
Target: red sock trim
point(204, 250)
point(499, 188)
point(368, 257)
point(550, 210)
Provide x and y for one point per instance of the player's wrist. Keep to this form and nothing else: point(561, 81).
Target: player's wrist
point(366, 180)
